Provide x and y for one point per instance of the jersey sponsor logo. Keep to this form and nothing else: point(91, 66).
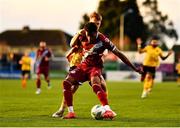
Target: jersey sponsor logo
point(93, 50)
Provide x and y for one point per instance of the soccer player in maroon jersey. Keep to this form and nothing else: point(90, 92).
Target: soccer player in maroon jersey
point(75, 56)
point(91, 68)
point(43, 56)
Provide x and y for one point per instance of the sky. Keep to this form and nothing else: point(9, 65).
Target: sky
point(62, 14)
point(45, 14)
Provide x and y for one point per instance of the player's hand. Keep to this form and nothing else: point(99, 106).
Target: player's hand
point(69, 58)
point(20, 62)
point(170, 52)
point(139, 70)
point(138, 41)
point(46, 59)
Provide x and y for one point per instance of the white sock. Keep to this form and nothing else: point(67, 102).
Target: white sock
point(107, 107)
point(70, 109)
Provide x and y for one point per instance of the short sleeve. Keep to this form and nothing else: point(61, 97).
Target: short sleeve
point(109, 45)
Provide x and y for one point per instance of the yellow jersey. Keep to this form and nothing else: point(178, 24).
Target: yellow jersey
point(26, 63)
point(152, 56)
point(178, 68)
point(76, 58)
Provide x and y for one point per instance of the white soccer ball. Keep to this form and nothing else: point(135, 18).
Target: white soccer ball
point(97, 112)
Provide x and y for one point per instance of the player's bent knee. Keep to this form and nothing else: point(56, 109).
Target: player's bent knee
point(96, 88)
point(74, 88)
point(67, 85)
point(149, 76)
point(38, 79)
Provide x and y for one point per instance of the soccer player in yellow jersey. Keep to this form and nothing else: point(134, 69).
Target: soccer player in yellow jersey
point(74, 57)
point(178, 71)
point(25, 67)
point(150, 63)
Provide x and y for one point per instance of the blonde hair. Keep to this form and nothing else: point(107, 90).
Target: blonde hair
point(95, 15)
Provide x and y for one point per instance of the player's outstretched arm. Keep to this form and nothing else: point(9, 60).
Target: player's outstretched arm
point(165, 57)
point(126, 60)
point(139, 42)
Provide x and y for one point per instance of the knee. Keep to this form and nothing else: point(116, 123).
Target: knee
point(148, 76)
point(95, 81)
point(38, 77)
point(67, 85)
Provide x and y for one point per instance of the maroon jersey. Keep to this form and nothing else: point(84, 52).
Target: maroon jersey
point(94, 51)
point(41, 54)
point(92, 63)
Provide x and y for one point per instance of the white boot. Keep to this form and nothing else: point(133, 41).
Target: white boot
point(144, 94)
point(58, 114)
point(38, 91)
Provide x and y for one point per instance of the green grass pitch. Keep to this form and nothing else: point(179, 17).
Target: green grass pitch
point(22, 107)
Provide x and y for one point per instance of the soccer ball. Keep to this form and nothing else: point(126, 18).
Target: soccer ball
point(97, 111)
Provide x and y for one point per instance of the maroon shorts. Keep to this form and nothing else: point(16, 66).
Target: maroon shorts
point(43, 70)
point(84, 73)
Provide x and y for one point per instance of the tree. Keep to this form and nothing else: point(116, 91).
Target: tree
point(134, 25)
point(158, 24)
point(111, 10)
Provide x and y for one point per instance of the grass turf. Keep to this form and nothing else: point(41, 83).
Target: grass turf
point(22, 107)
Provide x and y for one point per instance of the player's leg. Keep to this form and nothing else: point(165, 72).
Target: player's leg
point(70, 85)
point(74, 78)
point(103, 84)
point(23, 82)
point(104, 87)
point(143, 75)
point(68, 96)
point(102, 96)
point(151, 76)
point(46, 76)
point(96, 86)
point(148, 84)
point(38, 83)
point(151, 84)
point(63, 105)
point(25, 77)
